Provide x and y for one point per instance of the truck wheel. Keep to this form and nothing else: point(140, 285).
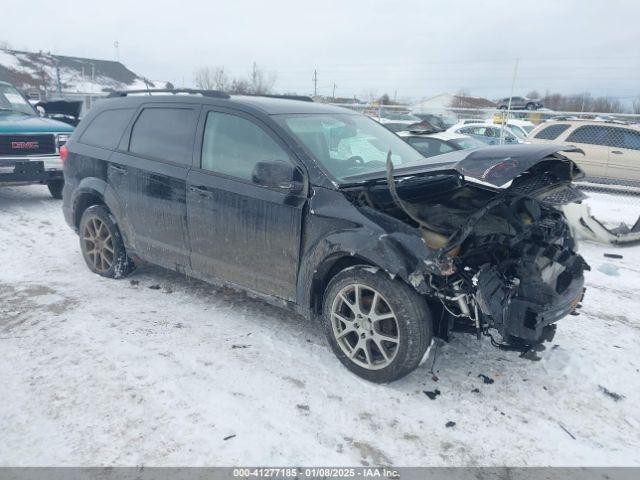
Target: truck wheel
point(55, 188)
point(101, 244)
point(531, 106)
point(379, 328)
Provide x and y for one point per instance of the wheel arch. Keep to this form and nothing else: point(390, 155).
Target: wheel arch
point(95, 191)
point(328, 269)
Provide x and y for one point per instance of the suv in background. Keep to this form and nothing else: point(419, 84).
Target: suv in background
point(611, 150)
point(303, 205)
point(519, 103)
point(29, 144)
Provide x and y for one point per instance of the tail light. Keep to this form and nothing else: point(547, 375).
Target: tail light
point(64, 153)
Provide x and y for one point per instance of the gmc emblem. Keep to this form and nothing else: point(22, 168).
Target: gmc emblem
point(25, 145)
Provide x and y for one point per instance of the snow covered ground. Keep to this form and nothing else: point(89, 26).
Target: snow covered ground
point(158, 369)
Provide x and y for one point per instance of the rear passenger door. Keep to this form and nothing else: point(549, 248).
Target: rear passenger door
point(155, 159)
point(241, 232)
point(593, 140)
point(624, 154)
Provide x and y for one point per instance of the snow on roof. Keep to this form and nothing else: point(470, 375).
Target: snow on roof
point(31, 70)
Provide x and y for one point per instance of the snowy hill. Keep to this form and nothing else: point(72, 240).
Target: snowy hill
point(68, 75)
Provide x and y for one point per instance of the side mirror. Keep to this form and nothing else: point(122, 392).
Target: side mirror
point(280, 175)
point(41, 111)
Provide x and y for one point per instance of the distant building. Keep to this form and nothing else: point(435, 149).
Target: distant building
point(44, 76)
point(447, 101)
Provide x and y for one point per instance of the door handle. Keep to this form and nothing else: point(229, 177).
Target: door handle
point(201, 191)
point(617, 152)
point(118, 170)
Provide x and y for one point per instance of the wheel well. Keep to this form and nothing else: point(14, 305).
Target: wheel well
point(84, 201)
point(325, 272)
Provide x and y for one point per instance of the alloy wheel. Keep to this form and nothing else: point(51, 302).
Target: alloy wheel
point(365, 326)
point(98, 244)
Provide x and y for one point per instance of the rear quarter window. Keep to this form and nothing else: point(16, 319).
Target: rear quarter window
point(164, 134)
point(552, 131)
point(106, 129)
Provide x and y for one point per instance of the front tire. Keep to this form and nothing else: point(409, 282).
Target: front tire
point(102, 245)
point(378, 328)
point(530, 106)
point(55, 188)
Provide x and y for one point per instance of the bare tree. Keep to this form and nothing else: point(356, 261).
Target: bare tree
point(204, 78)
point(240, 86)
point(636, 105)
point(582, 102)
point(260, 81)
point(5, 45)
point(220, 79)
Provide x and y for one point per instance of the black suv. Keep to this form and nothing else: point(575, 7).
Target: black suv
point(324, 211)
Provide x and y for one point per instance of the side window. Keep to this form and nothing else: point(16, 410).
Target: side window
point(624, 138)
point(552, 131)
point(164, 133)
point(106, 128)
point(233, 145)
point(591, 134)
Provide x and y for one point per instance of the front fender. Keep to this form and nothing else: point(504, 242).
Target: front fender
point(340, 231)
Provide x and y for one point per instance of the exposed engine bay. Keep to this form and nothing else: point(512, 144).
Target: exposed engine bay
point(501, 254)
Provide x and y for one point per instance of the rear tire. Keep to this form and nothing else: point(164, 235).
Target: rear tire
point(55, 188)
point(102, 245)
point(378, 328)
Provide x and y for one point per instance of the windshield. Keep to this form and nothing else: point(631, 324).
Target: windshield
point(11, 99)
point(467, 143)
point(348, 144)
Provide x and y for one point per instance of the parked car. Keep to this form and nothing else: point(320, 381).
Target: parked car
point(487, 133)
point(439, 121)
point(323, 211)
point(611, 150)
point(519, 103)
point(521, 128)
point(432, 144)
point(29, 144)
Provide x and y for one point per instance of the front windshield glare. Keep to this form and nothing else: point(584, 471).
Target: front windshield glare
point(10, 99)
point(348, 144)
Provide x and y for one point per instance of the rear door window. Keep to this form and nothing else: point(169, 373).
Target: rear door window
point(164, 133)
point(552, 131)
point(106, 129)
point(590, 134)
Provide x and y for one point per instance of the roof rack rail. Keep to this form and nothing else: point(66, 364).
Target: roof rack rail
point(302, 98)
point(173, 91)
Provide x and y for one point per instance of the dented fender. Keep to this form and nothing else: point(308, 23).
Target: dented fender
point(336, 231)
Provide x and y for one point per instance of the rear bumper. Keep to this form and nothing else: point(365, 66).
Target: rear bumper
point(26, 170)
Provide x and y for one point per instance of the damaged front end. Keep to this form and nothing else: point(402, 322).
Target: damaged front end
point(499, 252)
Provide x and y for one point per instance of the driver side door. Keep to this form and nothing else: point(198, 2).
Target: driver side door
point(242, 232)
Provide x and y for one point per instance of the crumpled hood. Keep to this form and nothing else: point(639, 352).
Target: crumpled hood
point(15, 122)
point(499, 165)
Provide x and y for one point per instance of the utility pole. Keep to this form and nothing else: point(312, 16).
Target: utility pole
point(315, 83)
point(116, 45)
point(513, 84)
point(334, 92)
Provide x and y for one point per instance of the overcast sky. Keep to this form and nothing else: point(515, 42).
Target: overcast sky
point(415, 48)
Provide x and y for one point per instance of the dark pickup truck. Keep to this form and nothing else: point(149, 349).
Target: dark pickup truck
point(29, 144)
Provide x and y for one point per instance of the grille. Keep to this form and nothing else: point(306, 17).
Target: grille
point(26, 145)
